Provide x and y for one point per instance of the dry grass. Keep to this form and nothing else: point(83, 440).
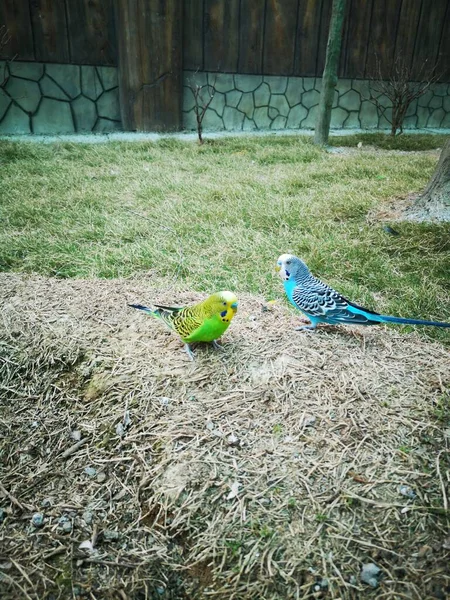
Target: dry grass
point(253, 473)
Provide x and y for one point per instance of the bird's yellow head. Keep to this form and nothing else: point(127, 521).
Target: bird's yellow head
point(224, 304)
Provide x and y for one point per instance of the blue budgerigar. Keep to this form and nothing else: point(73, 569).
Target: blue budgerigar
point(321, 304)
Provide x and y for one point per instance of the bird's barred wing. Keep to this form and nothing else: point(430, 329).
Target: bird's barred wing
point(184, 321)
point(321, 301)
point(170, 309)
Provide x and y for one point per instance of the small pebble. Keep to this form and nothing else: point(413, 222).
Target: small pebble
point(370, 574)
point(120, 429)
point(90, 471)
point(160, 590)
point(233, 440)
point(87, 517)
point(309, 421)
point(101, 477)
point(110, 535)
point(353, 580)
point(75, 435)
point(164, 401)
point(46, 502)
point(2, 515)
point(65, 524)
point(86, 545)
point(66, 527)
point(37, 520)
point(407, 491)
point(77, 591)
point(126, 419)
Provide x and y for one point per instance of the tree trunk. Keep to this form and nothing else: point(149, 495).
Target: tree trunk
point(329, 78)
point(435, 201)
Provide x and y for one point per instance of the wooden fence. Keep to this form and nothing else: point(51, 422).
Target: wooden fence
point(152, 41)
point(61, 31)
point(272, 37)
point(288, 37)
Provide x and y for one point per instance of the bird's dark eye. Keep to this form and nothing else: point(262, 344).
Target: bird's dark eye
point(224, 303)
point(288, 262)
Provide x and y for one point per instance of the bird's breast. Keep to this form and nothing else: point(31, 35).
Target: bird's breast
point(289, 287)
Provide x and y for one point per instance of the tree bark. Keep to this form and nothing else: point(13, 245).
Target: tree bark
point(329, 78)
point(437, 192)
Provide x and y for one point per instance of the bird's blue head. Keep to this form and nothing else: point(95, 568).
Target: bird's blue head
point(290, 267)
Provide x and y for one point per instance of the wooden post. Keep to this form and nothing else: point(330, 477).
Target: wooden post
point(329, 78)
point(149, 39)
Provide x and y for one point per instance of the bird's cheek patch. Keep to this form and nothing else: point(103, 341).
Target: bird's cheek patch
point(223, 313)
point(287, 274)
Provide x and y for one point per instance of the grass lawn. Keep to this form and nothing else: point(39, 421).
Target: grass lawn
point(219, 215)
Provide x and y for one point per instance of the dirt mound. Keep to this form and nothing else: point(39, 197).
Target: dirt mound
point(276, 468)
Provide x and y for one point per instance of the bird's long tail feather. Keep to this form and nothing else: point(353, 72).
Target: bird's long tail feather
point(145, 309)
point(387, 319)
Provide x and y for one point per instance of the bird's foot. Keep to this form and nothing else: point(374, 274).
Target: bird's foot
point(189, 352)
point(217, 346)
point(306, 328)
point(304, 320)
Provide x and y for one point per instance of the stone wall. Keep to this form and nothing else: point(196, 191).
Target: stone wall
point(57, 99)
point(252, 102)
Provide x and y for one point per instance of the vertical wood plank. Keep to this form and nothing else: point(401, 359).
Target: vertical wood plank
point(251, 36)
point(308, 31)
point(323, 36)
point(382, 35)
point(428, 37)
point(443, 62)
point(279, 39)
point(50, 31)
point(92, 38)
point(407, 30)
point(15, 15)
point(193, 35)
point(221, 48)
point(149, 36)
point(358, 27)
point(345, 37)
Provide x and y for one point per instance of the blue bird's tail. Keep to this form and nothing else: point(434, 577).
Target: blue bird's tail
point(387, 319)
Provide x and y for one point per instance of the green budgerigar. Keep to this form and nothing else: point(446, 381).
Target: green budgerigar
point(206, 321)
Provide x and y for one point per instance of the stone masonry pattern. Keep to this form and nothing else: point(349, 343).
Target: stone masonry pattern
point(258, 102)
point(58, 99)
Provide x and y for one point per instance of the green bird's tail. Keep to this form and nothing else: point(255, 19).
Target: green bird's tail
point(154, 313)
point(167, 314)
